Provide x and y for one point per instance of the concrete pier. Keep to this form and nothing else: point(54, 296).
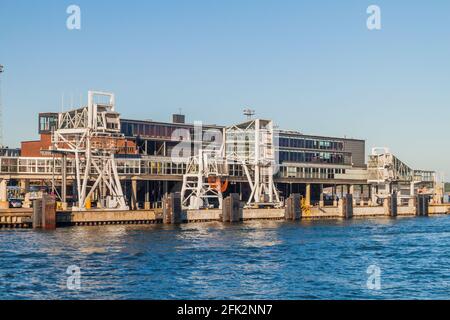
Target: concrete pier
point(43, 215)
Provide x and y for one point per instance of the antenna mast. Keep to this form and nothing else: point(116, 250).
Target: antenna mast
point(249, 113)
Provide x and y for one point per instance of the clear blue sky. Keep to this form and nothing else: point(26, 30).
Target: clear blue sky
point(311, 65)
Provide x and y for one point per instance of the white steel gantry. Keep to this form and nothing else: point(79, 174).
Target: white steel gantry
point(202, 182)
point(252, 144)
point(92, 136)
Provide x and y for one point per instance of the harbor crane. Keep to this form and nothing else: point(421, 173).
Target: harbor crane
point(250, 144)
point(92, 136)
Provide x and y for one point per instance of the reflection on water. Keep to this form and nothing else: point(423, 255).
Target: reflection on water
point(251, 260)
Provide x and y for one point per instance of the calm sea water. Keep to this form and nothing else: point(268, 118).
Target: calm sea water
point(251, 260)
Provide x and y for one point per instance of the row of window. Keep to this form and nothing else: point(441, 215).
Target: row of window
point(152, 130)
point(304, 143)
point(159, 130)
point(314, 157)
point(310, 173)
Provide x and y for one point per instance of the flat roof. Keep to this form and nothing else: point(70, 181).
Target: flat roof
point(282, 132)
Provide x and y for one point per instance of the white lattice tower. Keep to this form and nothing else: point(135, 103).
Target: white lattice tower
point(197, 190)
point(91, 135)
point(252, 144)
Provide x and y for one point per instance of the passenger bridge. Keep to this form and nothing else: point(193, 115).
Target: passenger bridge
point(385, 167)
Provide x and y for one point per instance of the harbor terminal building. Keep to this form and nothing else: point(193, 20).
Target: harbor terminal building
point(93, 155)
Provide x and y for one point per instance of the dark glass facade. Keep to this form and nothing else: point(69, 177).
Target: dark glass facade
point(132, 128)
point(299, 148)
point(292, 147)
point(47, 122)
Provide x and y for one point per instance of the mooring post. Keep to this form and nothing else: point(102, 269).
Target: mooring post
point(348, 206)
point(231, 208)
point(167, 209)
point(422, 202)
point(175, 203)
point(293, 209)
point(393, 204)
point(37, 214)
point(44, 213)
point(172, 212)
point(48, 212)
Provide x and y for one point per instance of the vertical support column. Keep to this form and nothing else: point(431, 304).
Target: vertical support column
point(412, 203)
point(334, 196)
point(361, 195)
point(373, 193)
point(308, 195)
point(64, 183)
point(25, 187)
point(321, 202)
point(165, 187)
point(4, 203)
point(134, 194)
point(351, 190)
point(147, 195)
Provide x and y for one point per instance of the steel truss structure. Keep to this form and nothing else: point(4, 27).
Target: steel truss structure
point(92, 135)
point(385, 169)
point(252, 144)
point(202, 184)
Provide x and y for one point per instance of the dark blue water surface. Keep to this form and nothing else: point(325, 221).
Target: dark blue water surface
point(251, 260)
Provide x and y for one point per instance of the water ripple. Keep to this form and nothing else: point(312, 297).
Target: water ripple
point(252, 260)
